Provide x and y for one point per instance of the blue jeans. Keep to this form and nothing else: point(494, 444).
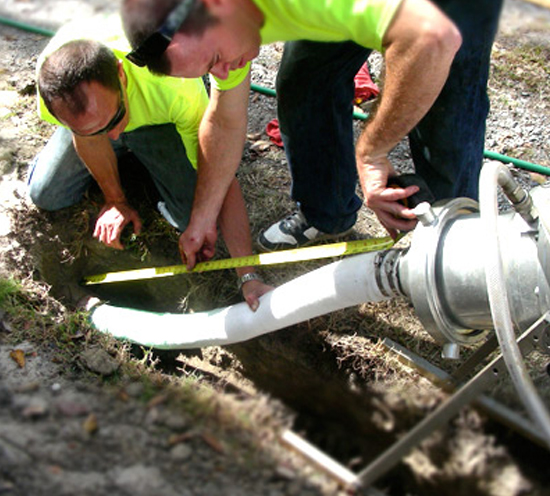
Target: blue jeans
point(59, 179)
point(315, 91)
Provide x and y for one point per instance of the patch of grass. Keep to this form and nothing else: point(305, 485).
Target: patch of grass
point(525, 66)
point(33, 315)
point(8, 290)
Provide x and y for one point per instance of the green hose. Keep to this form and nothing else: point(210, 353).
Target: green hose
point(26, 27)
point(269, 92)
point(522, 164)
point(263, 90)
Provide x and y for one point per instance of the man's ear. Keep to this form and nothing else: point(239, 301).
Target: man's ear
point(121, 73)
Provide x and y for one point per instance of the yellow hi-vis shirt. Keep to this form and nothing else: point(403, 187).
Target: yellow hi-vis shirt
point(362, 21)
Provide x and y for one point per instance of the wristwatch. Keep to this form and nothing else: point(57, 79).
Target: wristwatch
point(250, 276)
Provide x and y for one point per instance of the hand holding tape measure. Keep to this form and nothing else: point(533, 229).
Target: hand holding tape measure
point(278, 257)
point(273, 258)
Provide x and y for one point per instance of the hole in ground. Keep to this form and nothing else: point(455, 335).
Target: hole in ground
point(350, 422)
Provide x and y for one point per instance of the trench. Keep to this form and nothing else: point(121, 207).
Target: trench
point(343, 416)
point(331, 409)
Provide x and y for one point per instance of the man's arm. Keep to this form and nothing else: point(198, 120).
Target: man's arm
point(97, 154)
point(420, 45)
point(221, 140)
point(235, 229)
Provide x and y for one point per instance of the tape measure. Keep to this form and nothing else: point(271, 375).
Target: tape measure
point(273, 258)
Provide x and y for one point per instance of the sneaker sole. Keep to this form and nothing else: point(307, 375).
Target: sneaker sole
point(282, 246)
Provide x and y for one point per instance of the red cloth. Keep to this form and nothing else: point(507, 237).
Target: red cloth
point(274, 133)
point(365, 89)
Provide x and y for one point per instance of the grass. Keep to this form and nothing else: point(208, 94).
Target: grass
point(33, 315)
point(8, 291)
point(526, 65)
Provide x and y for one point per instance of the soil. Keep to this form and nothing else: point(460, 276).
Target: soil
point(83, 414)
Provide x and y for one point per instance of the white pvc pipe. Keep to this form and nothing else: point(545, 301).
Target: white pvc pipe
point(492, 174)
point(339, 285)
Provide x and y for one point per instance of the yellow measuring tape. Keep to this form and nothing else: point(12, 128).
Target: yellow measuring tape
point(273, 258)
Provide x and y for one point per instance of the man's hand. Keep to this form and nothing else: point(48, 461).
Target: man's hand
point(419, 47)
point(111, 222)
point(384, 201)
point(252, 290)
point(197, 244)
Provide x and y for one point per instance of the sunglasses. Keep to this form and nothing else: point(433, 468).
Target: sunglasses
point(114, 122)
point(156, 44)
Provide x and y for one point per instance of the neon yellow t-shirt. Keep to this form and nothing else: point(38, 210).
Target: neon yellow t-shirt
point(152, 99)
point(363, 21)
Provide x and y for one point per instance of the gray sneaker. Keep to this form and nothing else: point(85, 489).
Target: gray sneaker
point(293, 231)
